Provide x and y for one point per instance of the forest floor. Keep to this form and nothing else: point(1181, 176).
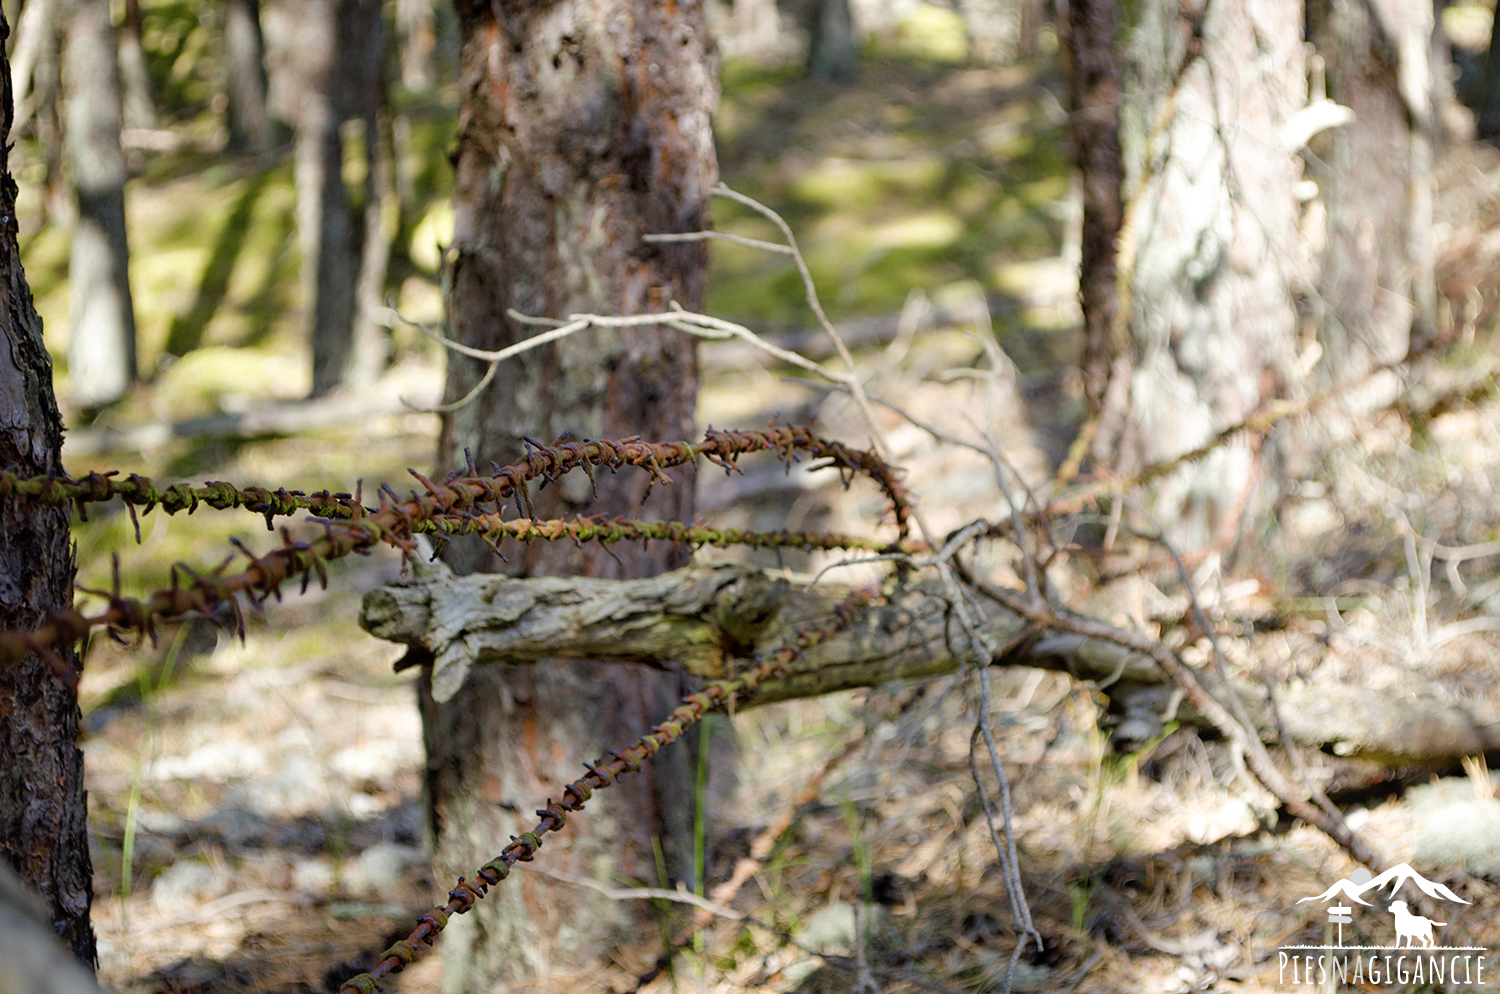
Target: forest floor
point(255, 803)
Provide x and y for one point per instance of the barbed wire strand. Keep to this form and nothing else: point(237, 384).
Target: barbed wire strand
point(523, 848)
point(394, 522)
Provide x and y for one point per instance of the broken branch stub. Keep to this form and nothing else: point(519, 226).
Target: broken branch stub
point(705, 618)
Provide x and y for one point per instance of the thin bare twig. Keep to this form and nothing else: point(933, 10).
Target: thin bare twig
point(679, 896)
point(723, 236)
point(1209, 706)
point(981, 652)
point(855, 387)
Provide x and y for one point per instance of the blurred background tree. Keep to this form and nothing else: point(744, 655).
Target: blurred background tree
point(101, 316)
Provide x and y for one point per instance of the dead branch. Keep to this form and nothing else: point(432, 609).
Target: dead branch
point(705, 618)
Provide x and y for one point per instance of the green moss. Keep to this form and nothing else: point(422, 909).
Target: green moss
point(917, 175)
point(933, 34)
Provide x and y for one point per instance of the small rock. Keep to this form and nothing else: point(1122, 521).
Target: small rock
point(1462, 836)
point(379, 870)
point(313, 877)
point(830, 930)
point(184, 886)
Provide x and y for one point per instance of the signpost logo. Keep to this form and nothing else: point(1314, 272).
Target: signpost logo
point(1416, 955)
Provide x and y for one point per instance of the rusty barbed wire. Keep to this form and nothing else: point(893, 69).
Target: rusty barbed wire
point(140, 491)
point(602, 528)
point(601, 773)
point(396, 520)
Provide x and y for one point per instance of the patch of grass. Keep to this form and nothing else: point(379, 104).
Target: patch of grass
point(916, 175)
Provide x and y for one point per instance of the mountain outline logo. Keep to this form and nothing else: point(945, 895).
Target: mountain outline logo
point(1361, 882)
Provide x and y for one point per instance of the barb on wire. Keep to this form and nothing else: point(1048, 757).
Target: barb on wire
point(396, 520)
point(606, 770)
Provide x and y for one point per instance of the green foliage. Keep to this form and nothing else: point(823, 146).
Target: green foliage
point(181, 39)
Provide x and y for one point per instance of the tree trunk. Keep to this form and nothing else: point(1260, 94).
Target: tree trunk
point(416, 26)
point(1216, 110)
point(831, 52)
point(584, 126)
point(101, 318)
point(1088, 30)
point(338, 43)
point(1207, 250)
point(43, 808)
point(33, 27)
point(1376, 283)
point(382, 220)
point(1028, 28)
point(325, 228)
point(139, 107)
point(36, 79)
point(49, 127)
point(245, 78)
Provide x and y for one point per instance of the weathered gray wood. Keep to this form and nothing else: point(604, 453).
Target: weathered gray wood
point(705, 619)
point(35, 962)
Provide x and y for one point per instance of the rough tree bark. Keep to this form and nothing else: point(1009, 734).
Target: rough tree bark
point(583, 127)
point(469, 624)
point(245, 78)
point(43, 808)
point(101, 317)
point(1221, 241)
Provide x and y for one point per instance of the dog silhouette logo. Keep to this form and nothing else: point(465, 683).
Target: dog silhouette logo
point(1412, 927)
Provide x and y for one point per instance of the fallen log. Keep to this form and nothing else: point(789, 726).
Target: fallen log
point(703, 619)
